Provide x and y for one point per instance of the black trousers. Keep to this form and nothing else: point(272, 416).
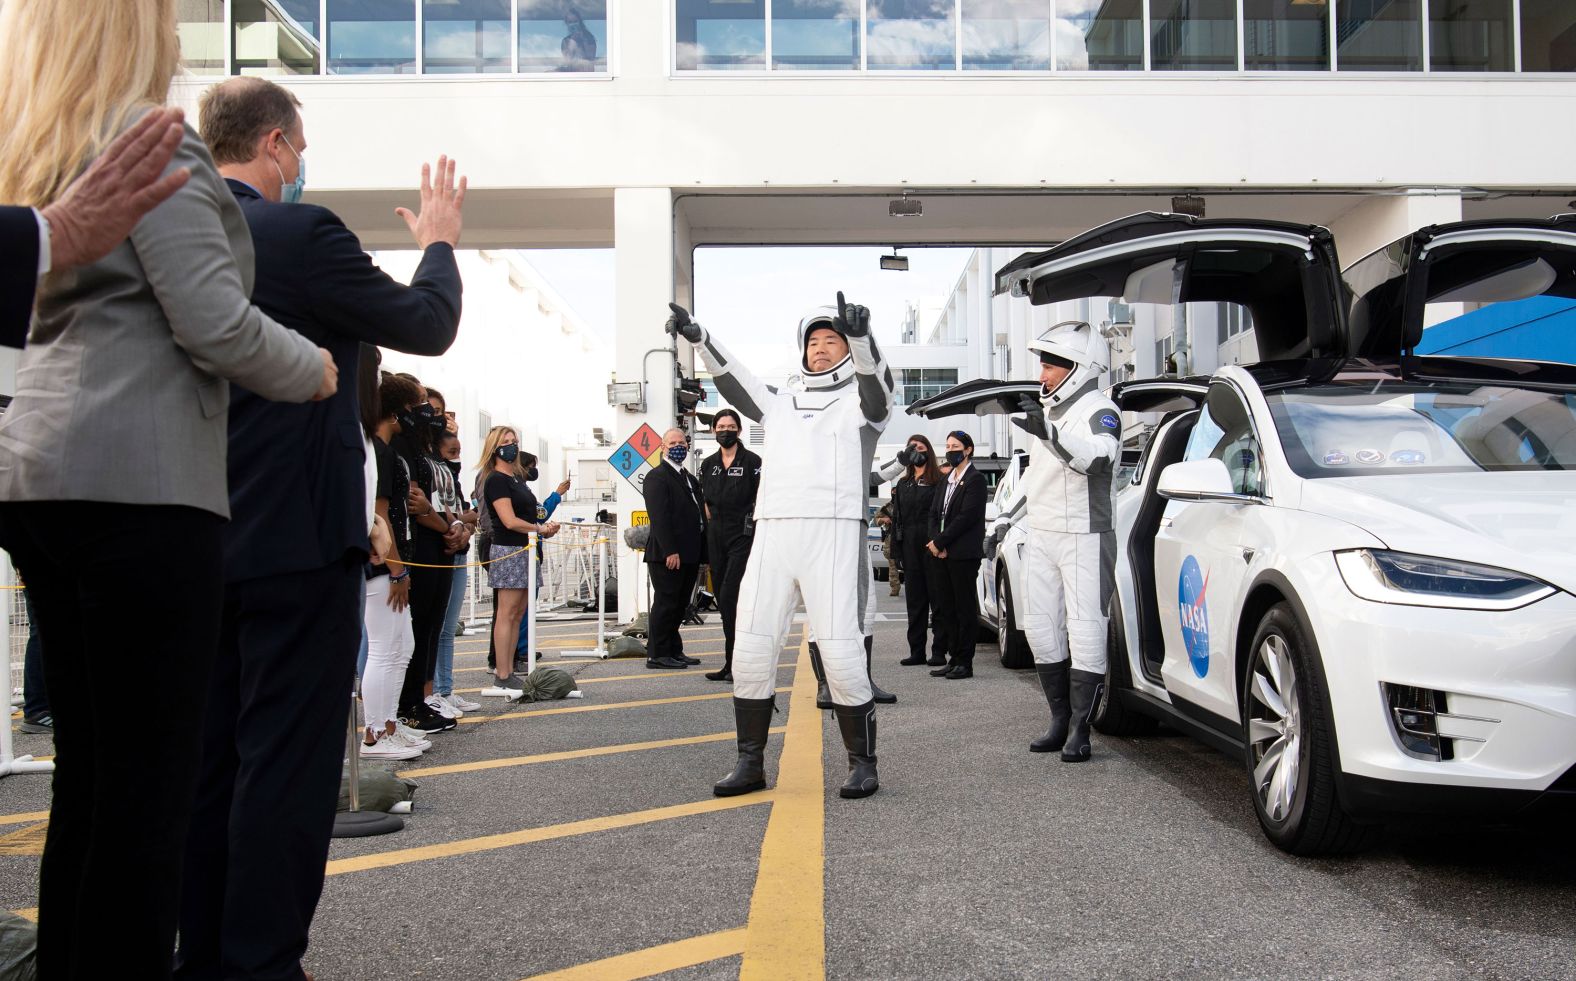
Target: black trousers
point(728, 555)
point(958, 606)
point(149, 577)
point(924, 579)
point(273, 742)
point(671, 589)
point(429, 607)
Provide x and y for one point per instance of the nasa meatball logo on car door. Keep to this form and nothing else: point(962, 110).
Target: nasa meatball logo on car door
point(1193, 612)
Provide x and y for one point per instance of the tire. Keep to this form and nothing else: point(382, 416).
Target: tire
point(1112, 716)
point(1290, 743)
point(1015, 651)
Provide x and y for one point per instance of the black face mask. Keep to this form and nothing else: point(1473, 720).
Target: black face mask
point(407, 422)
point(508, 452)
point(454, 467)
point(727, 439)
point(955, 457)
point(532, 474)
point(920, 457)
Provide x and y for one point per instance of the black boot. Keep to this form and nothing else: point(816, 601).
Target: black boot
point(1084, 695)
point(1053, 680)
point(858, 723)
point(725, 673)
point(881, 696)
point(823, 697)
point(753, 718)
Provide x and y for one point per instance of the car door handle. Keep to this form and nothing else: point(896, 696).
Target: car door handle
point(1165, 522)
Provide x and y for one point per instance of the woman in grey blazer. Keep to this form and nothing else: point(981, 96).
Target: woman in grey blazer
point(112, 472)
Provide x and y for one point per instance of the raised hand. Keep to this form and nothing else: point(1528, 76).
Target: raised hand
point(852, 318)
point(441, 204)
point(680, 324)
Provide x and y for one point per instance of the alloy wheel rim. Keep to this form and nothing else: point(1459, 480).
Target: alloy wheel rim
point(1275, 727)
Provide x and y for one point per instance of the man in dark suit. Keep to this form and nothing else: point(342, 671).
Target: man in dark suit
point(673, 551)
point(295, 550)
point(957, 538)
point(97, 212)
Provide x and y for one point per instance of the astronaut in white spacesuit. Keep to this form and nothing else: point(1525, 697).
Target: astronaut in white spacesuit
point(1070, 570)
point(810, 515)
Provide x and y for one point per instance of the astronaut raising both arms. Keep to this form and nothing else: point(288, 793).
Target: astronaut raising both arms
point(1072, 548)
point(810, 514)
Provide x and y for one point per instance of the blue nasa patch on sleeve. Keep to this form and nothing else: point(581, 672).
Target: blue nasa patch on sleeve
point(1109, 421)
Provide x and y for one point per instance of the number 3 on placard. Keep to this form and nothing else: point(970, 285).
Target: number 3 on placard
point(626, 458)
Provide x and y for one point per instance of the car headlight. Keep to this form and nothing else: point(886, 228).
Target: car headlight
point(1422, 580)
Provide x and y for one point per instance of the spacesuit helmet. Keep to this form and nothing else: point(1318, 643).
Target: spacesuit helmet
point(817, 319)
point(1075, 343)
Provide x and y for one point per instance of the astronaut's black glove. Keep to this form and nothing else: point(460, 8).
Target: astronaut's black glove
point(681, 324)
point(1033, 421)
point(905, 457)
point(853, 320)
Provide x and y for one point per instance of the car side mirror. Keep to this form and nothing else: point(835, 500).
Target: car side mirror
point(1200, 480)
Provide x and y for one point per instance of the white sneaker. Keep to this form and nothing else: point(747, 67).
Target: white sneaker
point(401, 739)
point(443, 708)
point(412, 737)
point(463, 704)
point(387, 748)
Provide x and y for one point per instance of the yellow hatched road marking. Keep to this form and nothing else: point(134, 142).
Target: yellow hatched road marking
point(653, 961)
point(786, 936)
point(25, 841)
point(31, 913)
point(572, 754)
point(575, 709)
point(24, 818)
point(471, 846)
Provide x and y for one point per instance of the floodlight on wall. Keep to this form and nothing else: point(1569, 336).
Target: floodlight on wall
point(630, 395)
point(905, 207)
point(895, 262)
point(1188, 204)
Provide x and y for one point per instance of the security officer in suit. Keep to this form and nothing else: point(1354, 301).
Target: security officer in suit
point(957, 538)
point(729, 479)
point(674, 550)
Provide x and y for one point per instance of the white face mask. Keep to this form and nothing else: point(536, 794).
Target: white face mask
point(290, 191)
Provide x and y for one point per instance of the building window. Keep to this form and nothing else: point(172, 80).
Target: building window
point(1006, 35)
point(1284, 35)
point(371, 37)
point(815, 35)
point(559, 36)
point(1379, 35)
point(277, 37)
point(710, 388)
point(1548, 36)
point(1104, 37)
point(200, 24)
point(719, 35)
point(921, 383)
point(1238, 319)
point(465, 36)
point(1193, 35)
point(1470, 36)
point(911, 35)
point(1163, 348)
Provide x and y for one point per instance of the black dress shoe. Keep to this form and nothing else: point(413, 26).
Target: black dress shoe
point(687, 660)
point(726, 675)
point(912, 660)
point(936, 662)
point(664, 662)
point(943, 671)
point(961, 670)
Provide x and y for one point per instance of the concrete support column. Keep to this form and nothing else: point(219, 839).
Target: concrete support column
point(1381, 220)
point(643, 270)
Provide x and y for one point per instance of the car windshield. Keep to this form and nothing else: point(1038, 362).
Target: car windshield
point(1364, 427)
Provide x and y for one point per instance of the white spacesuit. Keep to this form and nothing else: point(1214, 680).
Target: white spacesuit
point(810, 515)
point(1070, 570)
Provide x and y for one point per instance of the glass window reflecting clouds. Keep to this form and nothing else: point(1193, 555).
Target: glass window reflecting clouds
point(1548, 36)
point(371, 37)
point(1099, 35)
point(277, 37)
point(815, 34)
point(1379, 35)
point(1006, 35)
point(718, 35)
point(563, 35)
point(465, 36)
point(1284, 35)
point(910, 34)
point(1470, 36)
point(200, 24)
point(1193, 35)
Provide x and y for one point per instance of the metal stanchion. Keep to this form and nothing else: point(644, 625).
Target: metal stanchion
point(600, 651)
point(356, 823)
point(529, 623)
point(10, 763)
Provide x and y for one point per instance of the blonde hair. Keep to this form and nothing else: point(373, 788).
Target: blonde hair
point(72, 72)
point(490, 445)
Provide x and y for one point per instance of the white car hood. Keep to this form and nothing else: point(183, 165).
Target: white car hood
point(1522, 521)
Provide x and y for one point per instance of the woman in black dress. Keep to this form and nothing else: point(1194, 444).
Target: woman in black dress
point(911, 500)
point(728, 480)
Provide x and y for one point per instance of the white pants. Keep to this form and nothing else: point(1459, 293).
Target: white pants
point(822, 560)
point(1068, 582)
point(390, 644)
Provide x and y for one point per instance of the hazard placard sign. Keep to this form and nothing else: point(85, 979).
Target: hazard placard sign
point(639, 454)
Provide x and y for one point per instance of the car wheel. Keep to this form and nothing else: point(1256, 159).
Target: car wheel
point(1290, 752)
point(1015, 651)
point(1112, 716)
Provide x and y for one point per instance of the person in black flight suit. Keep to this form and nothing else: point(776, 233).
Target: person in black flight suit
point(729, 478)
point(673, 551)
point(957, 537)
point(911, 500)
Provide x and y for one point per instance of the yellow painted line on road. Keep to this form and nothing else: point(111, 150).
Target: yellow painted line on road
point(572, 754)
point(470, 846)
point(24, 818)
point(656, 960)
point(786, 935)
point(31, 913)
point(650, 675)
point(576, 709)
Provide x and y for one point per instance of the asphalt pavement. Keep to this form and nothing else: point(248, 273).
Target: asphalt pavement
point(977, 859)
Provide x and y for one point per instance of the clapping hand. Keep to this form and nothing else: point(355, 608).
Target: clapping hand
point(680, 324)
point(852, 319)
